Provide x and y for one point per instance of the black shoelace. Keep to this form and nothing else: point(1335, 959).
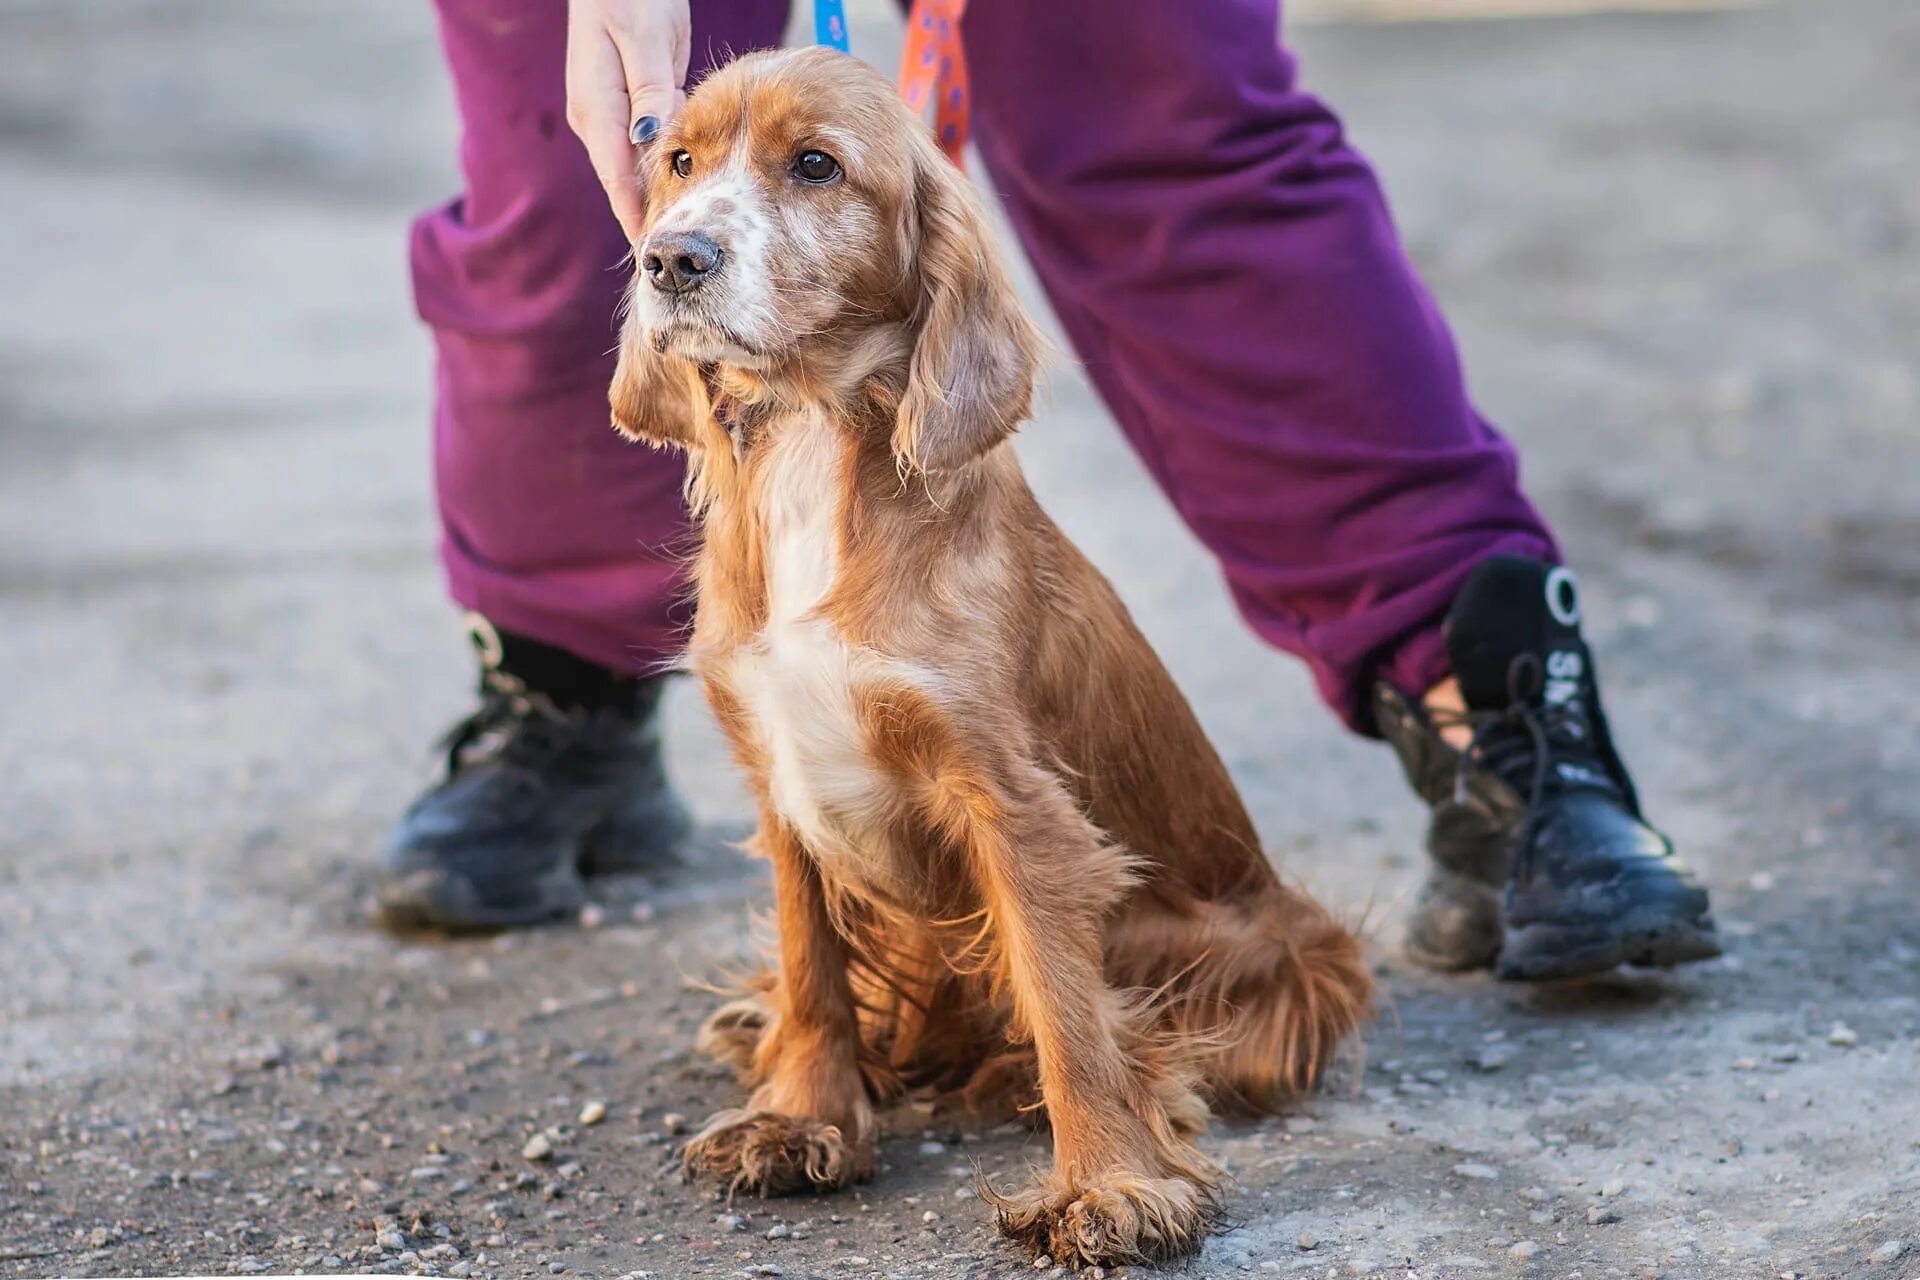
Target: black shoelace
point(1526, 743)
point(514, 730)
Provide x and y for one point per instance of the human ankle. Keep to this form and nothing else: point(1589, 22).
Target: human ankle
point(1446, 710)
point(518, 664)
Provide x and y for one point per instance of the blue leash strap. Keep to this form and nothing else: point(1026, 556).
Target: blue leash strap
point(830, 24)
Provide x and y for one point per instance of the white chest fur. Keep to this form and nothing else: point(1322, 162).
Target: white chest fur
point(800, 681)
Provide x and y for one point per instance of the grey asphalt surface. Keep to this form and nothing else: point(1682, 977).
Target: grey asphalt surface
point(1682, 253)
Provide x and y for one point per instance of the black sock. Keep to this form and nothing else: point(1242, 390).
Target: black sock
point(568, 681)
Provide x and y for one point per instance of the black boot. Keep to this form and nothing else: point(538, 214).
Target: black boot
point(1455, 922)
point(557, 775)
point(1541, 857)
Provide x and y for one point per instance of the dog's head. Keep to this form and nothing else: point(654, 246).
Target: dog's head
point(803, 228)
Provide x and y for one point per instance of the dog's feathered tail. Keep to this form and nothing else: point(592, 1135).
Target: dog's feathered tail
point(1273, 985)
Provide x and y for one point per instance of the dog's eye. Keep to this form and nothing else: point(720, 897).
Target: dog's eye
point(682, 164)
point(815, 166)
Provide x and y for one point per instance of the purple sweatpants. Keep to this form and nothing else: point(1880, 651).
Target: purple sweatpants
point(1222, 260)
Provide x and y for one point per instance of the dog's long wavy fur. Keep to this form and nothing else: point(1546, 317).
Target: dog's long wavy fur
point(1006, 859)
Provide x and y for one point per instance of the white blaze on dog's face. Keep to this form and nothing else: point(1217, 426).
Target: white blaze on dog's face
point(774, 211)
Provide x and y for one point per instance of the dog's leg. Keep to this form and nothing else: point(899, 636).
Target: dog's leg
point(808, 1123)
point(1128, 1184)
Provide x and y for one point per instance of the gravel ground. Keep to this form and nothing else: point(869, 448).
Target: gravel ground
point(1683, 254)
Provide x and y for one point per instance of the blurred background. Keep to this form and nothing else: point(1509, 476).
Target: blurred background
point(1680, 246)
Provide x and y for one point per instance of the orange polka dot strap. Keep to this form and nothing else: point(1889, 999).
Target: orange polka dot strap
point(933, 68)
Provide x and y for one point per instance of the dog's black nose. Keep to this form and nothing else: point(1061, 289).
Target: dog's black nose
point(680, 260)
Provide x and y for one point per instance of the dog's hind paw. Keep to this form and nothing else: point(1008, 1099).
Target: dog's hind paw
point(733, 1033)
point(774, 1154)
point(1111, 1220)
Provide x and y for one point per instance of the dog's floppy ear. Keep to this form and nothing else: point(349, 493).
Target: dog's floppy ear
point(970, 380)
point(655, 397)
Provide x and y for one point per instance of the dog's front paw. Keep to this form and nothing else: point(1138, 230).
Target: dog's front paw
point(1110, 1220)
point(774, 1154)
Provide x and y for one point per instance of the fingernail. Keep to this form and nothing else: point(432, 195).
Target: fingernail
point(646, 129)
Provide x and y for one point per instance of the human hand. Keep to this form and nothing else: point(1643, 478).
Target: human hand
point(626, 72)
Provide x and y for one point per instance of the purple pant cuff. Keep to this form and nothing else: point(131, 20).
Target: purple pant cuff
point(547, 608)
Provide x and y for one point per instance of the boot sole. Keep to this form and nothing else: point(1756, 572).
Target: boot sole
point(436, 900)
point(1547, 952)
point(431, 899)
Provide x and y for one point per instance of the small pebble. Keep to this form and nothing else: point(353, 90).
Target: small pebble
point(1472, 1170)
point(390, 1240)
point(538, 1148)
point(779, 1231)
point(263, 1057)
point(1493, 1057)
point(929, 1216)
point(1308, 1241)
point(1612, 1187)
point(673, 1122)
point(1524, 1251)
point(1600, 1215)
point(933, 1148)
point(1888, 1252)
point(732, 1221)
point(1843, 1036)
point(593, 1113)
point(592, 916)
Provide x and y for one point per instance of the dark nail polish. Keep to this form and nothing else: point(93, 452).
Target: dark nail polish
point(646, 129)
